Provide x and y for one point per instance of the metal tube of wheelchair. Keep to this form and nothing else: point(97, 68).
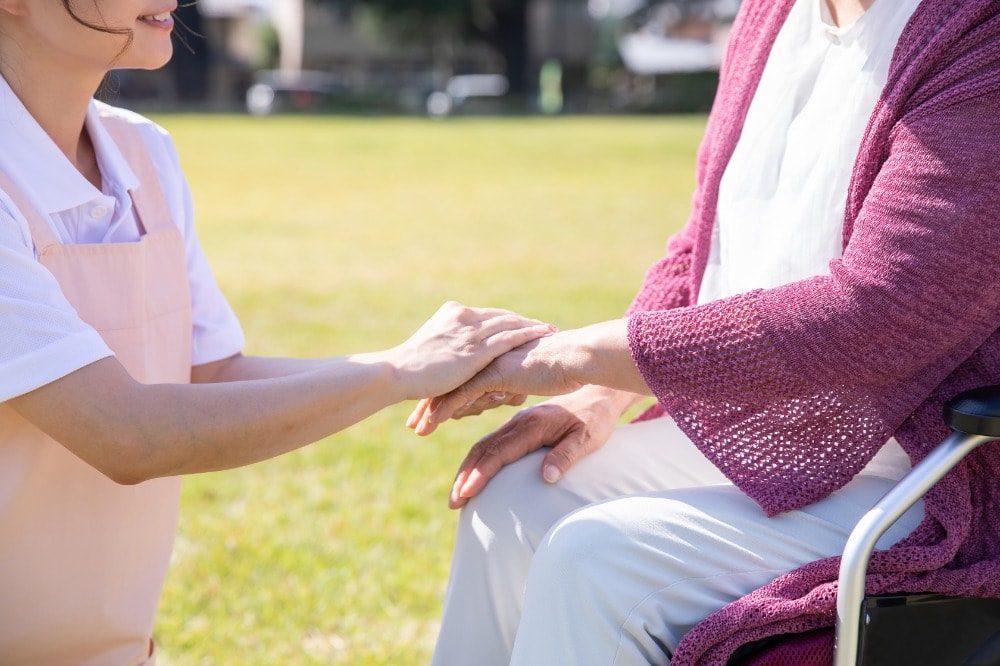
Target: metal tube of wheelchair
point(861, 542)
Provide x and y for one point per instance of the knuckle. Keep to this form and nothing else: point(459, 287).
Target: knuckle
point(532, 416)
point(491, 458)
point(561, 457)
point(493, 449)
point(478, 449)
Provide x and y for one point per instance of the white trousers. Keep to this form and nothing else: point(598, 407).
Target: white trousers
point(635, 545)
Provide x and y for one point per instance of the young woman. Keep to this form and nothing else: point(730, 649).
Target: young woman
point(120, 366)
point(835, 285)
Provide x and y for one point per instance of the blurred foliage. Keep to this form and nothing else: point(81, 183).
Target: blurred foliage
point(438, 24)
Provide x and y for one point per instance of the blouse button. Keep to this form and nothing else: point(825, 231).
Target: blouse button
point(98, 212)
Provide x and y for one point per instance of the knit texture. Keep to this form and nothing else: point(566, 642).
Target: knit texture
point(791, 391)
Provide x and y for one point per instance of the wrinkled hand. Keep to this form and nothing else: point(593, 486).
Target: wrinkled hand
point(474, 408)
point(456, 343)
point(572, 425)
point(538, 367)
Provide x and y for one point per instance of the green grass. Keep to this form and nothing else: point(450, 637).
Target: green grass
point(338, 235)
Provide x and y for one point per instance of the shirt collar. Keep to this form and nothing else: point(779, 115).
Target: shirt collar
point(873, 28)
point(837, 34)
point(33, 161)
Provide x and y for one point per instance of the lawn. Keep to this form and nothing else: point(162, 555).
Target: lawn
point(335, 235)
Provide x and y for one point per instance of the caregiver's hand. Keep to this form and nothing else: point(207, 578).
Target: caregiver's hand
point(554, 365)
point(535, 368)
point(455, 344)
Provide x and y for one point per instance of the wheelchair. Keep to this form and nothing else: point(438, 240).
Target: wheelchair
point(886, 630)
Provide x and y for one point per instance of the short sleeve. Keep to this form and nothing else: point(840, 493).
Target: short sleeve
point(43, 337)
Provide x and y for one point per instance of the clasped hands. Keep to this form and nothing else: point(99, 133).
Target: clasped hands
point(590, 370)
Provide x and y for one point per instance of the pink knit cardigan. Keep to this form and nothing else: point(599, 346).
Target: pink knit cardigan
point(790, 391)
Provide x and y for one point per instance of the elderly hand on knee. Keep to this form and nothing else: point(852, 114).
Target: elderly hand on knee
point(572, 425)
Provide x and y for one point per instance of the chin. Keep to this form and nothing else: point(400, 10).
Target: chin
point(148, 62)
point(159, 63)
point(146, 53)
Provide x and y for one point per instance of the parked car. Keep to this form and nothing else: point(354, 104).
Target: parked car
point(466, 89)
point(276, 91)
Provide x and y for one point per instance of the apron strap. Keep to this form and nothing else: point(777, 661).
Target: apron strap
point(42, 234)
point(150, 202)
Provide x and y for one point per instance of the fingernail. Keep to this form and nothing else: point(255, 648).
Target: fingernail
point(497, 396)
point(551, 473)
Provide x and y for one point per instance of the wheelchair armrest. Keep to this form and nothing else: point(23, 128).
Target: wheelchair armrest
point(975, 412)
point(975, 419)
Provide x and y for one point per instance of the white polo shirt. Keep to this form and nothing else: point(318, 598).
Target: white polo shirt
point(42, 337)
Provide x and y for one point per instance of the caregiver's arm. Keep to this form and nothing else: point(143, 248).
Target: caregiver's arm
point(132, 432)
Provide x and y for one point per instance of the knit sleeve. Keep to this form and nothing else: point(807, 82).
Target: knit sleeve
point(790, 391)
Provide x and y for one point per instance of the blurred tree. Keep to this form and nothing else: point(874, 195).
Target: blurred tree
point(503, 24)
point(190, 62)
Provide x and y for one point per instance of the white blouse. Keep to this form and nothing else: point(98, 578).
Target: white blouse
point(783, 195)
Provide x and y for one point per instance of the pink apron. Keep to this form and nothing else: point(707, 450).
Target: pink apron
point(83, 559)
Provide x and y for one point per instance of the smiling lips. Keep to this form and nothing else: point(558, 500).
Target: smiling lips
point(161, 20)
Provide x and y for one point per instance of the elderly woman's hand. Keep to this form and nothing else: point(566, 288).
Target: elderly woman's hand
point(572, 425)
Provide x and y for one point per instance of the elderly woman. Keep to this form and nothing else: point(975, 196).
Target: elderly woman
point(835, 284)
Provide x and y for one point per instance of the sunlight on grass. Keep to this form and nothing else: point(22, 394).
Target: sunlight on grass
point(337, 235)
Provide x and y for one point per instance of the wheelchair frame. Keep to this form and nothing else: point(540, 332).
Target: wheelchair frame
point(974, 416)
